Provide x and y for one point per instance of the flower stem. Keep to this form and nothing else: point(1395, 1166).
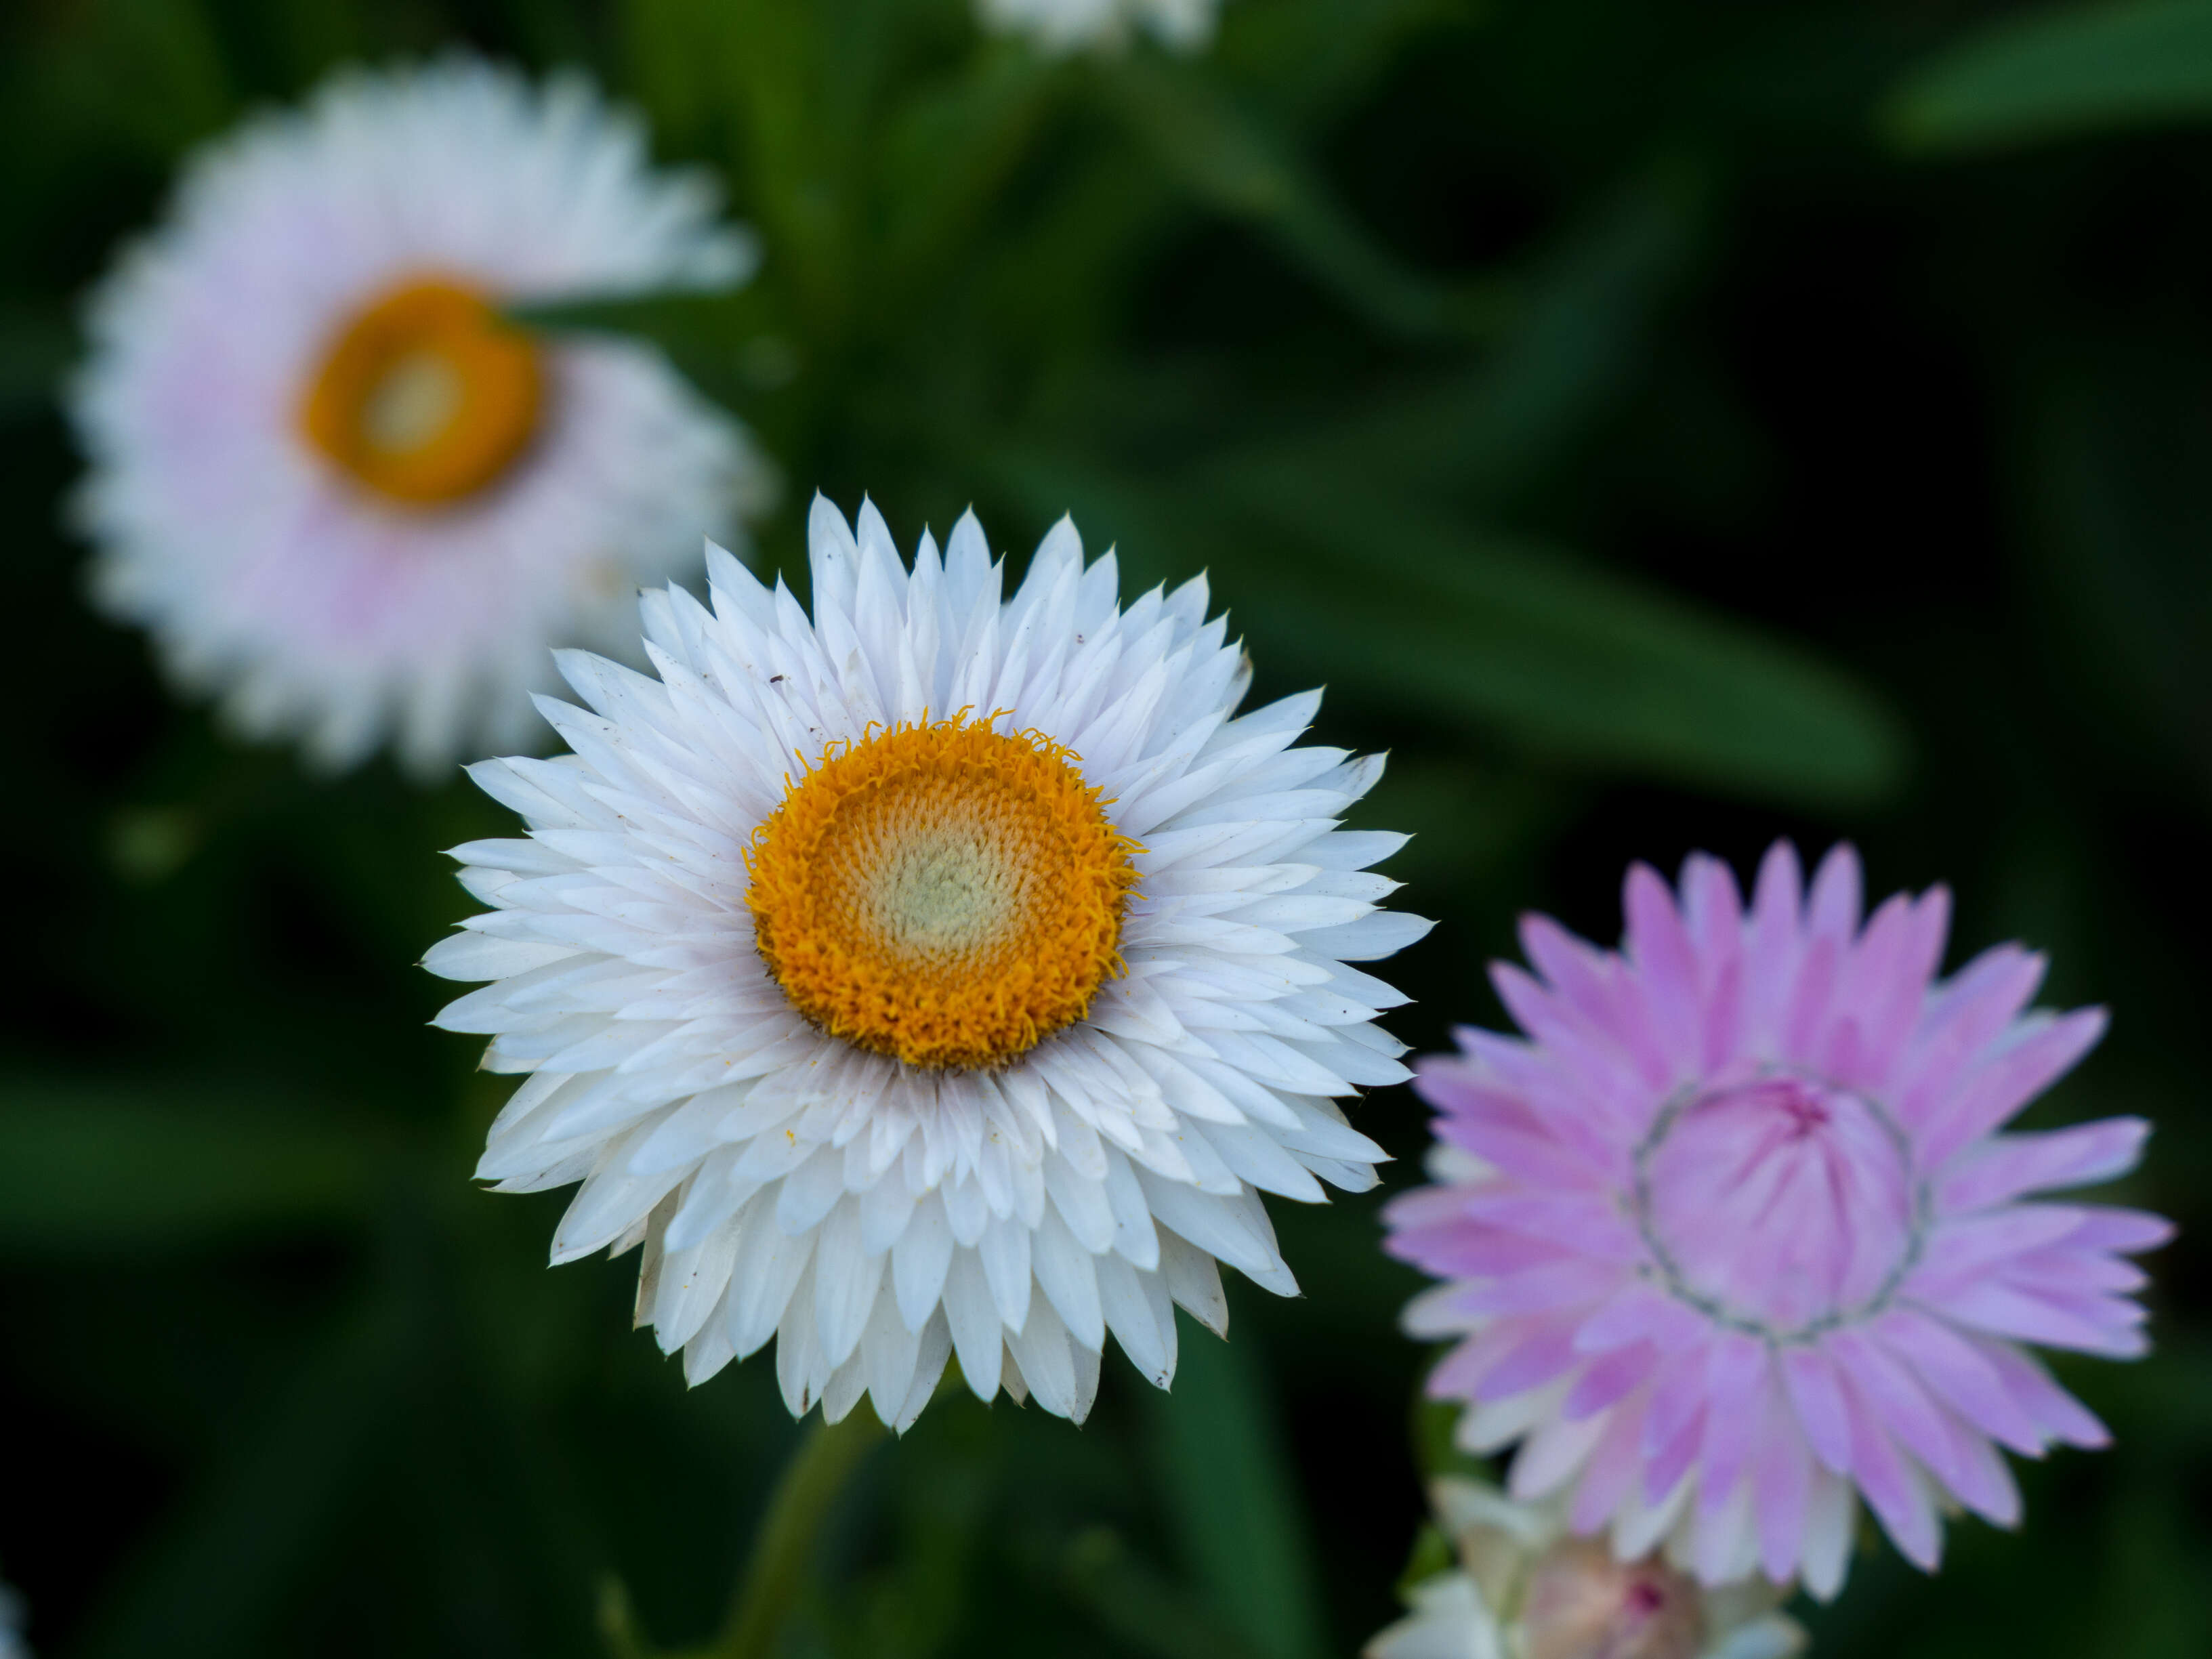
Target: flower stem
point(810, 1483)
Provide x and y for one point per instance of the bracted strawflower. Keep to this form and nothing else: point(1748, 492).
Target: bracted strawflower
point(1520, 1586)
point(940, 974)
point(1732, 1240)
point(342, 490)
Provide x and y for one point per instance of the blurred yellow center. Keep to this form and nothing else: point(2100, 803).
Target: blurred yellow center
point(946, 894)
point(426, 396)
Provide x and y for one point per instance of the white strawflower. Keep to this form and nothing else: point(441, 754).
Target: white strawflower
point(938, 973)
point(1525, 1588)
point(1062, 26)
point(339, 489)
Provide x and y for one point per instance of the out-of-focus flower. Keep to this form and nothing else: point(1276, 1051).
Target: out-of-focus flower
point(12, 1645)
point(937, 973)
point(1525, 1588)
point(337, 486)
point(1731, 1237)
point(1062, 26)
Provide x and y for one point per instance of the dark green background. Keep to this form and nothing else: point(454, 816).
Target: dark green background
point(1660, 424)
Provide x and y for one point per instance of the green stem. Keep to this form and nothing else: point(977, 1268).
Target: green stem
point(809, 1485)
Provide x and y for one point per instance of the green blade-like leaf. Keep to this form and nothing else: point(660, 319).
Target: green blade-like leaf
point(1225, 1473)
point(1389, 599)
point(1577, 333)
point(1568, 659)
point(220, 1565)
point(2078, 69)
point(92, 1166)
point(1225, 156)
point(1150, 1615)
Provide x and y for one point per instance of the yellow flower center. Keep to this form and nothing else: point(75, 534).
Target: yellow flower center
point(426, 396)
point(943, 893)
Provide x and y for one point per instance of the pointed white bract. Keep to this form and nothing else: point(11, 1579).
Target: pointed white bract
point(311, 607)
point(875, 1218)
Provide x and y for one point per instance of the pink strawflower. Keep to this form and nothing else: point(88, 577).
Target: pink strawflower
point(1730, 1236)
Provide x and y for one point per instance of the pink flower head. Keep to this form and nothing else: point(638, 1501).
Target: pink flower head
point(1731, 1235)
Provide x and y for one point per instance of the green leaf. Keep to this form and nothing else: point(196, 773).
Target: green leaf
point(1568, 659)
point(1226, 1472)
point(108, 1166)
point(2080, 69)
point(1576, 333)
point(1397, 602)
point(1146, 1613)
point(222, 1562)
point(1223, 155)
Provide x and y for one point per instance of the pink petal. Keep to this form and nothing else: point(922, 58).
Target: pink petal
point(1721, 1038)
point(1664, 1472)
point(1456, 1375)
point(2041, 1052)
point(1641, 1314)
point(1571, 1283)
point(1987, 1487)
point(1804, 1021)
point(1713, 913)
point(1589, 1224)
point(1536, 1159)
point(1817, 1396)
point(1782, 1484)
point(1678, 1394)
point(1903, 1406)
point(1736, 1375)
point(2067, 1271)
point(2125, 1231)
point(1960, 1375)
point(1546, 1355)
point(2001, 1310)
point(1867, 972)
point(1553, 1455)
point(1610, 1378)
point(1962, 1018)
point(1611, 1470)
point(1456, 1250)
point(1833, 911)
point(1967, 1245)
point(1464, 1089)
point(2009, 1165)
point(2058, 1413)
point(1897, 1495)
point(1772, 942)
point(1667, 967)
point(1884, 984)
point(1893, 1017)
point(1599, 1053)
point(1579, 971)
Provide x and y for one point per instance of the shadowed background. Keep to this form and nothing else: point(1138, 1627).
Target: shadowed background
point(1661, 425)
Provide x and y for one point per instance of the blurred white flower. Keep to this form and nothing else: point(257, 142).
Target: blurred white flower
point(12, 1645)
point(1062, 26)
point(937, 974)
point(339, 489)
point(1526, 1588)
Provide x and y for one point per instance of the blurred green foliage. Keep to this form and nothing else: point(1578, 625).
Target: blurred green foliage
point(1621, 404)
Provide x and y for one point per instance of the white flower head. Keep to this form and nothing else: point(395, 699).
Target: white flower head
point(341, 491)
point(1065, 26)
point(939, 974)
point(1525, 1588)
